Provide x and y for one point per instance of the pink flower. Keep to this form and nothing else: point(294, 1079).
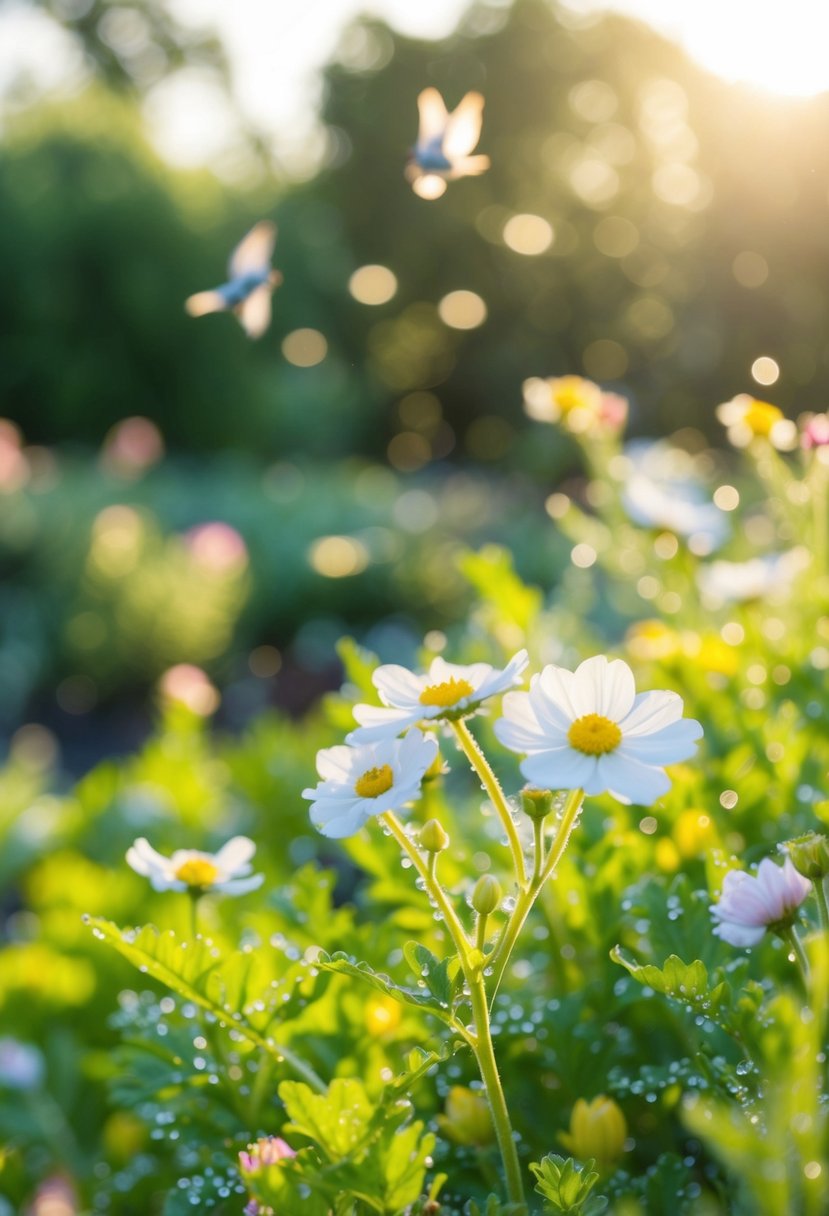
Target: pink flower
point(749, 905)
point(269, 1150)
point(815, 433)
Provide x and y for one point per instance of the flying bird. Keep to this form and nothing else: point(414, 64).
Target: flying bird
point(444, 143)
point(247, 293)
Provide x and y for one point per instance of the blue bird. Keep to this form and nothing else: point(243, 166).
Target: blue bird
point(251, 281)
point(444, 143)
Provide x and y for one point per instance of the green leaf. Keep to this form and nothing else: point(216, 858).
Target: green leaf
point(566, 1187)
point(343, 965)
point(338, 1121)
point(443, 977)
point(243, 991)
point(685, 982)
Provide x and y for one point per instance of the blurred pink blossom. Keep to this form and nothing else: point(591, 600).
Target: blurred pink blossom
point(749, 905)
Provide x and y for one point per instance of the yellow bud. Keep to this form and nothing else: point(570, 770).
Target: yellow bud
point(694, 832)
point(810, 855)
point(536, 803)
point(433, 837)
point(383, 1015)
point(597, 1129)
point(667, 855)
point(487, 895)
point(467, 1119)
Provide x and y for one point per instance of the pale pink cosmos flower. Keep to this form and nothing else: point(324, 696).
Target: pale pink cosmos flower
point(815, 433)
point(268, 1150)
point(750, 904)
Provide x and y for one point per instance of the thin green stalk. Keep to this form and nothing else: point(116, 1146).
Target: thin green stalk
point(193, 896)
point(481, 766)
point(434, 888)
point(509, 935)
point(822, 905)
point(793, 941)
point(538, 851)
point(480, 932)
point(485, 1055)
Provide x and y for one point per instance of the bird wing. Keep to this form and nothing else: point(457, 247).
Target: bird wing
point(204, 302)
point(254, 313)
point(254, 250)
point(464, 126)
point(433, 116)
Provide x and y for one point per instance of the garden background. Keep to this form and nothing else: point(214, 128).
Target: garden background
point(190, 522)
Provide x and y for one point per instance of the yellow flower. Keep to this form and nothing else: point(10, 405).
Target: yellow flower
point(745, 418)
point(578, 403)
point(694, 832)
point(652, 639)
point(467, 1119)
point(597, 1129)
point(383, 1015)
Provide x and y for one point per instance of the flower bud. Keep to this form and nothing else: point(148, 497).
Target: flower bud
point(467, 1119)
point(536, 803)
point(486, 895)
point(268, 1150)
point(598, 1130)
point(810, 855)
point(433, 837)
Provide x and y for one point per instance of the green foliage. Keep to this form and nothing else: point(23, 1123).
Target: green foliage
point(566, 1186)
point(438, 1000)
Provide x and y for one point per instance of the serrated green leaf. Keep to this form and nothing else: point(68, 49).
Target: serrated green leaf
point(339, 1121)
point(686, 982)
point(242, 991)
point(443, 977)
point(343, 965)
point(566, 1187)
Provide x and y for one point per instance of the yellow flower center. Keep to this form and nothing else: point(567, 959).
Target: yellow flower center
point(760, 417)
point(446, 694)
point(572, 393)
point(594, 735)
point(374, 782)
point(197, 872)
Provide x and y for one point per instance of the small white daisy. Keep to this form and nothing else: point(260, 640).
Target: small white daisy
point(769, 576)
point(227, 871)
point(663, 491)
point(358, 782)
point(589, 730)
point(749, 905)
point(745, 418)
point(447, 691)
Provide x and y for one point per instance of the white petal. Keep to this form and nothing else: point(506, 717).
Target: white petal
point(738, 935)
point(560, 769)
point(667, 746)
point(240, 886)
point(519, 730)
point(378, 723)
point(558, 686)
point(498, 681)
point(235, 855)
point(651, 712)
point(630, 781)
point(398, 686)
point(551, 713)
point(604, 687)
point(339, 826)
point(335, 763)
point(145, 860)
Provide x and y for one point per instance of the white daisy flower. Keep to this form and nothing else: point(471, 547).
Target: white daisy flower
point(589, 730)
point(749, 905)
point(358, 782)
point(766, 577)
point(662, 491)
point(227, 871)
point(447, 691)
point(745, 418)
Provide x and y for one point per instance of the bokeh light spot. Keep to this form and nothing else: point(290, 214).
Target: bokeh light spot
point(430, 186)
point(305, 347)
point(338, 556)
point(605, 359)
point(373, 284)
point(750, 269)
point(528, 234)
point(765, 370)
point(462, 310)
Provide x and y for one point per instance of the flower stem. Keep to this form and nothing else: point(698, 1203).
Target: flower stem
point(538, 851)
point(193, 897)
point(481, 766)
point(822, 906)
point(485, 1055)
point(793, 941)
point(436, 891)
point(509, 935)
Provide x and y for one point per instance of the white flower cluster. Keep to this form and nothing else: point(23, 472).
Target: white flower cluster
point(586, 729)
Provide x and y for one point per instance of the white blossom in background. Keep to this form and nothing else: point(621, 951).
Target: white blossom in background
point(589, 730)
point(660, 491)
point(447, 690)
point(745, 419)
point(228, 871)
point(21, 1065)
point(749, 904)
point(770, 576)
point(363, 781)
